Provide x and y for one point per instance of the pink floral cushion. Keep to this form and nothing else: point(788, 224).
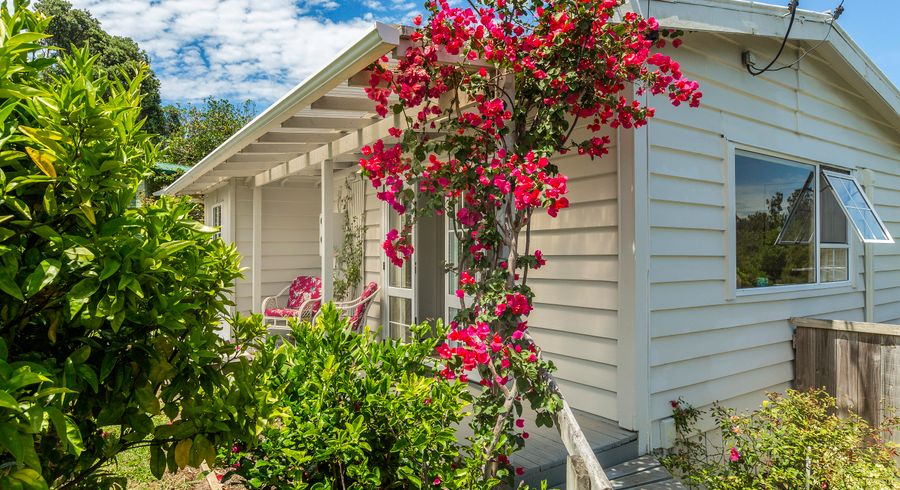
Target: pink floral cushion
point(359, 313)
point(282, 312)
point(302, 289)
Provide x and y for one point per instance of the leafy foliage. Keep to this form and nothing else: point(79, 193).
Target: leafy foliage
point(76, 28)
point(349, 259)
point(108, 315)
point(203, 127)
point(793, 441)
point(356, 412)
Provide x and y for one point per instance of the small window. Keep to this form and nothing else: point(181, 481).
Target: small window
point(216, 216)
point(856, 206)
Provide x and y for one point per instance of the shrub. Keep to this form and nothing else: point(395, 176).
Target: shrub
point(108, 315)
point(793, 441)
point(352, 411)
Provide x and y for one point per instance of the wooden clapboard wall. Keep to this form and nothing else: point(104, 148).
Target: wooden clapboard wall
point(706, 342)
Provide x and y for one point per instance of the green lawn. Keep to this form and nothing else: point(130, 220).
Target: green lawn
point(134, 465)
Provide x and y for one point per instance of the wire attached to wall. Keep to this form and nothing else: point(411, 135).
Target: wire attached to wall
point(792, 6)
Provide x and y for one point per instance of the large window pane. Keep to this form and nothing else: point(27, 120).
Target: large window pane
point(775, 218)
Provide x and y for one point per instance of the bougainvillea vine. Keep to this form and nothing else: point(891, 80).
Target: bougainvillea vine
point(487, 96)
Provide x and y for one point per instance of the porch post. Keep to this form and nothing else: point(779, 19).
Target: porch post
point(327, 228)
point(256, 263)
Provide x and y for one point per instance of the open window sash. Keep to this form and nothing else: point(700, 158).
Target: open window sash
point(859, 210)
point(799, 228)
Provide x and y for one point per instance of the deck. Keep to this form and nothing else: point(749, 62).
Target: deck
point(544, 456)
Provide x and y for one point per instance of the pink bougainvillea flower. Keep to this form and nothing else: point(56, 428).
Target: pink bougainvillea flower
point(437, 481)
point(735, 455)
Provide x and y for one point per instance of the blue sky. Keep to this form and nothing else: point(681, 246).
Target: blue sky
point(258, 49)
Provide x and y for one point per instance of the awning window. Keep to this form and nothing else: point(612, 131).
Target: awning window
point(859, 210)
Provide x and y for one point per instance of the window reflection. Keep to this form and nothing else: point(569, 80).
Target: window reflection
point(775, 222)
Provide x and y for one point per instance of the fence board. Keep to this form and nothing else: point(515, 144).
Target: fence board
point(857, 363)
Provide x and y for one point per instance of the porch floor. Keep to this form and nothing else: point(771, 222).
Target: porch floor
point(544, 456)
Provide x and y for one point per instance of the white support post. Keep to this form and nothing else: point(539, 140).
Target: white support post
point(327, 230)
point(256, 264)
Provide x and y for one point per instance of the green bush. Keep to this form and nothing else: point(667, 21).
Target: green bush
point(108, 315)
point(352, 411)
point(793, 441)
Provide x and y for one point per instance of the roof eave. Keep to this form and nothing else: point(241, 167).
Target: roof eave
point(380, 39)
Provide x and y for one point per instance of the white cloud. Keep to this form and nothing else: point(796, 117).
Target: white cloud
point(238, 49)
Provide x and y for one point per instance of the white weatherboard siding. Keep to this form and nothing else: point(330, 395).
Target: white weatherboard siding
point(707, 343)
point(290, 236)
point(576, 294)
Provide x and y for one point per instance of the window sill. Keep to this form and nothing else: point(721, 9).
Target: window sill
point(789, 292)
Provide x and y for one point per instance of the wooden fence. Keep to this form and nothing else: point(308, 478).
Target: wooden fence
point(856, 362)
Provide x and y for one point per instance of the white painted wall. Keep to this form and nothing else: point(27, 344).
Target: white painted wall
point(290, 236)
point(575, 318)
point(706, 343)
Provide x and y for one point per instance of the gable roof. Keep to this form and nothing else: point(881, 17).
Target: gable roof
point(743, 17)
point(328, 116)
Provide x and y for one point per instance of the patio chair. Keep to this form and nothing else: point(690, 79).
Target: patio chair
point(304, 297)
point(357, 308)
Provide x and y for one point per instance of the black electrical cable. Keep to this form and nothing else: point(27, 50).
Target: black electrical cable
point(792, 6)
point(837, 13)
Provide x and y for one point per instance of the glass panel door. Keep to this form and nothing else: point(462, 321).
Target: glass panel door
point(399, 288)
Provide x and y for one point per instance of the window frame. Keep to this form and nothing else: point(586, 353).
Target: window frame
point(734, 150)
point(217, 209)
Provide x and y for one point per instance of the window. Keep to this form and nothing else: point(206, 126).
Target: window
point(856, 205)
point(791, 222)
point(216, 219)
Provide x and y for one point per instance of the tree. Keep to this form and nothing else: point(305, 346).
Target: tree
point(70, 27)
point(477, 143)
point(108, 314)
point(203, 127)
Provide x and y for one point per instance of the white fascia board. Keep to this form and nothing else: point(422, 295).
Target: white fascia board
point(380, 39)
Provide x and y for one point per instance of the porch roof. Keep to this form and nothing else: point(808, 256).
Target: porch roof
point(325, 117)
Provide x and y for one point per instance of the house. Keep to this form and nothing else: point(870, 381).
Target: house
point(686, 249)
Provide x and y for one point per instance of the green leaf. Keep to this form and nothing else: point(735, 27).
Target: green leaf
point(157, 461)
point(86, 373)
point(45, 273)
point(59, 424)
point(183, 452)
point(29, 479)
point(80, 294)
point(202, 450)
point(147, 399)
point(107, 365)
point(81, 355)
point(43, 160)
point(8, 286)
point(73, 435)
point(7, 401)
point(169, 248)
point(160, 371)
point(110, 267)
